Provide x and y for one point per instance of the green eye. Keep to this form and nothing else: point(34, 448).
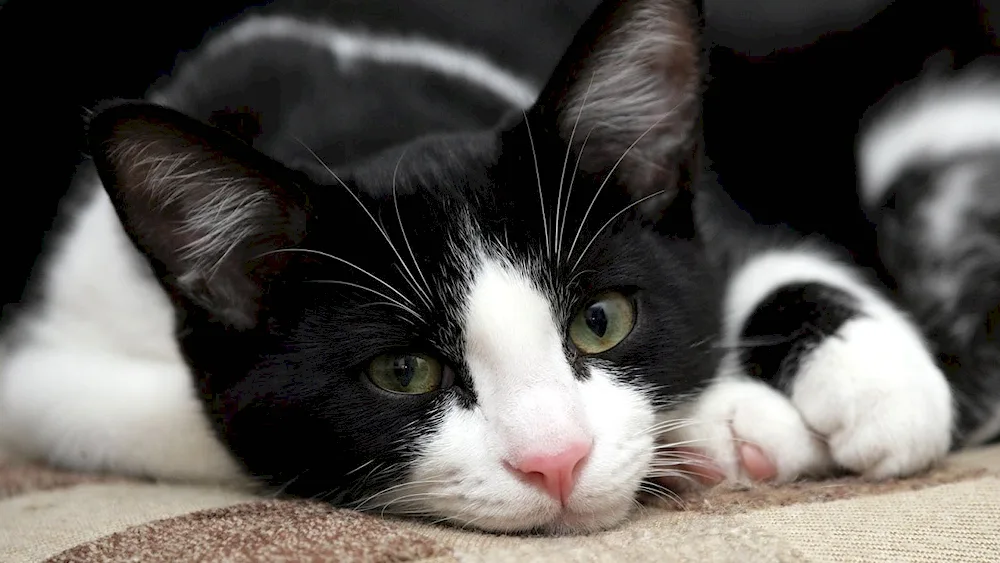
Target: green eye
point(603, 323)
point(408, 374)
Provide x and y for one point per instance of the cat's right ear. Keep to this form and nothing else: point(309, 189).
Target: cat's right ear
point(200, 203)
point(626, 98)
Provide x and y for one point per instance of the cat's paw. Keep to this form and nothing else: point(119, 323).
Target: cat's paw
point(875, 393)
point(737, 421)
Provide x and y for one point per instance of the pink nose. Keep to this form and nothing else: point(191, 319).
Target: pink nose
point(554, 474)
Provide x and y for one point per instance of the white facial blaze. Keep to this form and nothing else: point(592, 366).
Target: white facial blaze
point(523, 382)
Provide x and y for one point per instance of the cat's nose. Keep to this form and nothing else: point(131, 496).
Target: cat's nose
point(554, 474)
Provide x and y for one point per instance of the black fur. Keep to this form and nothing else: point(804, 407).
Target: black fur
point(787, 325)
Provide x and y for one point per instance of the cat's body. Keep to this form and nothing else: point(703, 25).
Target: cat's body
point(552, 315)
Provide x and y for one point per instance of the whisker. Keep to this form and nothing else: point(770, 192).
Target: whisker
point(669, 426)
point(664, 426)
point(668, 451)
point(572, 181)
point(661, 493)
point(684, 443)
point(583, 221)
point(611, 220)
point(411, 500)
point(388, 300)
point(342, 261)
point(573, 279)
point(679, 465)
point(378, 226)
point(562, 176)
point(685, 478)
point(359, 468)
point(538, 176)
point(373, 471)
point(680, 473)
point(399, 218)
point(284, 487)
point(664, 461)
point(745, 344)
point(395, 488)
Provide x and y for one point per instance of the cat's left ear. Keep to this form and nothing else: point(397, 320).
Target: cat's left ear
point(626, 95)
point(201, 204)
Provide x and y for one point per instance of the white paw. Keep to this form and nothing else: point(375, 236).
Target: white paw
point(878, 397)
point(734, 412)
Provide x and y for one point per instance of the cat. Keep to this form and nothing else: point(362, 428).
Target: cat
point(419, 285)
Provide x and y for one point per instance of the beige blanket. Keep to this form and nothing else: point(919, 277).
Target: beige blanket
point(949, 515)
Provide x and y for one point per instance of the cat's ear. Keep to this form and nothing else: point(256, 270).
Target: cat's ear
point(626, 94)
point(201, 204)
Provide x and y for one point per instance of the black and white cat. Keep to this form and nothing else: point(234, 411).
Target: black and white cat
point(425, 288)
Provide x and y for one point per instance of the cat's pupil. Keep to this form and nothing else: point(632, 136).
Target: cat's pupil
point(597, 320)
point(405, 368)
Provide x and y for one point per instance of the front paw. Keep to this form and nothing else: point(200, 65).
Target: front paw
point(744, 431)
point(876, 394)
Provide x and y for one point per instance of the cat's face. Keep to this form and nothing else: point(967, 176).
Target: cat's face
point(478, 328)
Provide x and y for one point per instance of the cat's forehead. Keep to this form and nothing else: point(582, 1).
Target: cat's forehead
point(492, 294)
point(447, 165)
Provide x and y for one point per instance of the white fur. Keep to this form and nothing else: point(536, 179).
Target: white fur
point(514, 350)
point(873, 393)
point(737, 410)
point(529, 403)
point(877, 396)
point(94, 379)
point(351, 46)
point(939, 121)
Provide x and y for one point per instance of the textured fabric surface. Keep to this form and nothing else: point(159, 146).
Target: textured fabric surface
point(957, 522)
point(35, 526)
point(951, 514)
point(262, 531)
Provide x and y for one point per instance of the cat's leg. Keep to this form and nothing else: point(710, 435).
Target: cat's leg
point(91, 377)
point(101, 410)
point(821, 373)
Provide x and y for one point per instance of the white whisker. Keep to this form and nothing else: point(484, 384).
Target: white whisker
point(395, 488)
point(359, 468)
point(660, 492)
point(399, 218)
point(683, 443)
point(607, 178)
point(389, 300)
point(666, 425)
point(342, 261)
point(538, 176)
point(378, 226)
point(562, 176)
point(611, 220)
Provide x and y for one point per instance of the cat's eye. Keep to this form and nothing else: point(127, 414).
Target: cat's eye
point(603, 323)
point(407, 374)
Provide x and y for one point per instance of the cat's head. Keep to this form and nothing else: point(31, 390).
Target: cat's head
point(478, 327)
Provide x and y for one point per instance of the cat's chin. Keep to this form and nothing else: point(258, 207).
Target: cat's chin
point(561, 521)
point(572, 523)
